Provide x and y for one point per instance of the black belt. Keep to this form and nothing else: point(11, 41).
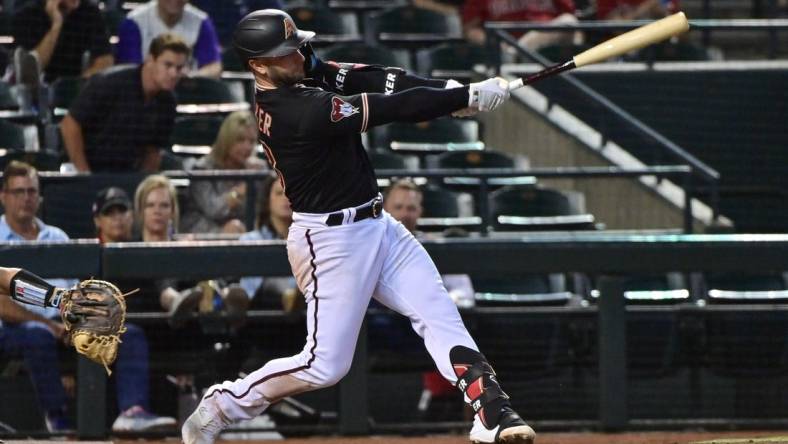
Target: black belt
point(373, 209)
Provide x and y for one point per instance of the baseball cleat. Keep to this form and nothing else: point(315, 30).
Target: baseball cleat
point(511, 429)
point(204, 425)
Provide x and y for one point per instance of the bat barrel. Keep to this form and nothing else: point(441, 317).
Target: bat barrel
point(637, 38)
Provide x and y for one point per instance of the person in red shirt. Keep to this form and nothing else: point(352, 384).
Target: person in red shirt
point(476, 12)
point(634, 9)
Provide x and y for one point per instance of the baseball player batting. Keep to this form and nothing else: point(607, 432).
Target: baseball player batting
point(343, 248)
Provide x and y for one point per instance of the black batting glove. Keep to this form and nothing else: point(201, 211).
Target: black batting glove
point(311, 61)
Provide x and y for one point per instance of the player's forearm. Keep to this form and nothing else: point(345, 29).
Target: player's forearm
point(28, 288)
point(74, 143)
point(416, 105)
point(46, 47)
point(99, 64)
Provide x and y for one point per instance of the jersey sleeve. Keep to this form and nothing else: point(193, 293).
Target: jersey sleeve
point(349, 78)
point(333, 114)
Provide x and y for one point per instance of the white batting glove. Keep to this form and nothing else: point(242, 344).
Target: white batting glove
point(489, 94)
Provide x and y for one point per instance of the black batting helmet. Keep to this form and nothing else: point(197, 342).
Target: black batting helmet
point(268, 33)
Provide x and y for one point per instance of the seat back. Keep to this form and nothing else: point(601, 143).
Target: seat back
point(530, 201)
point(463, 62)
point(327, 24)
point(64, 91)
point(439, 202)
point(204, 90)
point(366, 54)
point(412, 26)
point(386, 160)
point(438, 131)
point(474, 159)
point(12, 136)
point(196, 130)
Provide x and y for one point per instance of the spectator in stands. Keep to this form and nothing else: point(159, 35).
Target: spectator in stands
point(273, 221)
point(219, 205)
point(59, 34)
point(157, 17)
point(476, 12)
point(112, 214)
point(123, 118)
point(33, 336)
point(403, 201)
point(157, 215)
point(21, 198)
point(634, 9)
point(227, 14)
point(156, 209)
point(32, 331)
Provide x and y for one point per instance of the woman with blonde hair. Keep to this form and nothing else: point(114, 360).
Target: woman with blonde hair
point(218, 206)
point(156, 209)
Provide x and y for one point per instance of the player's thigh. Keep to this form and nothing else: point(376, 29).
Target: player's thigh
point(410, 283)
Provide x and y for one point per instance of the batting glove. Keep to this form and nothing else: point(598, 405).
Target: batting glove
point(489, 94)
point(311, 61)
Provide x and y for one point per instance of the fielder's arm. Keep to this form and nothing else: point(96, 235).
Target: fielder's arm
point(28, 288)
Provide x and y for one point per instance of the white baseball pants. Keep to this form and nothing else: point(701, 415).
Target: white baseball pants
point(338, 269)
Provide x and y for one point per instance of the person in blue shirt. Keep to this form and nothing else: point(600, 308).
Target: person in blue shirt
point(35, 338)
point(32, 331)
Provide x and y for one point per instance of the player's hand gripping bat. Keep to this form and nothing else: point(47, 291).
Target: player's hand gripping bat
point(635, 39)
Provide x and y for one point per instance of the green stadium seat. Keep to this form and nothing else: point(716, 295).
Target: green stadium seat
point(231, 61)
point(463, 62)
point(64, 91)
point(194, 135)
point(535, 208)
point(200, 95)
point(412, 27)
point(12, 136)
point(386, 160)
point(366, 54)
point(330, 26)
point(42, 160)
point(436, 135)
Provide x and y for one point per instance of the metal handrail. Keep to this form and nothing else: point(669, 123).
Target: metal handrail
point(484, 174)
point(706, 172)
point(620, 25)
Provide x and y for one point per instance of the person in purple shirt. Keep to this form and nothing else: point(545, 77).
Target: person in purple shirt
point(157, 17)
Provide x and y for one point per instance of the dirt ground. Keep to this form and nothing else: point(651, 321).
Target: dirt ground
point(772, 437)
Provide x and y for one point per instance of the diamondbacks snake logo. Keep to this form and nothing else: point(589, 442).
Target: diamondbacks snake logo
point(341, 109)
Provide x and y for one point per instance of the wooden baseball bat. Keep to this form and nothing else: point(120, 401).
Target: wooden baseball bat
point(635, 39)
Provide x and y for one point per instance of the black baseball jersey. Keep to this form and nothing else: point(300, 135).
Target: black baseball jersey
point(312, 134)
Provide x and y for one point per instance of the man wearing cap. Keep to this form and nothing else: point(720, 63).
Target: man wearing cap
point(113, 215)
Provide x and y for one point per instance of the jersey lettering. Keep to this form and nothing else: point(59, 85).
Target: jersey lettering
point(390, 79)
point(340, 80)
point(263, 121)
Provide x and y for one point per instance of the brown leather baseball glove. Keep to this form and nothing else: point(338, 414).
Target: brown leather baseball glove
point(94, 314)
